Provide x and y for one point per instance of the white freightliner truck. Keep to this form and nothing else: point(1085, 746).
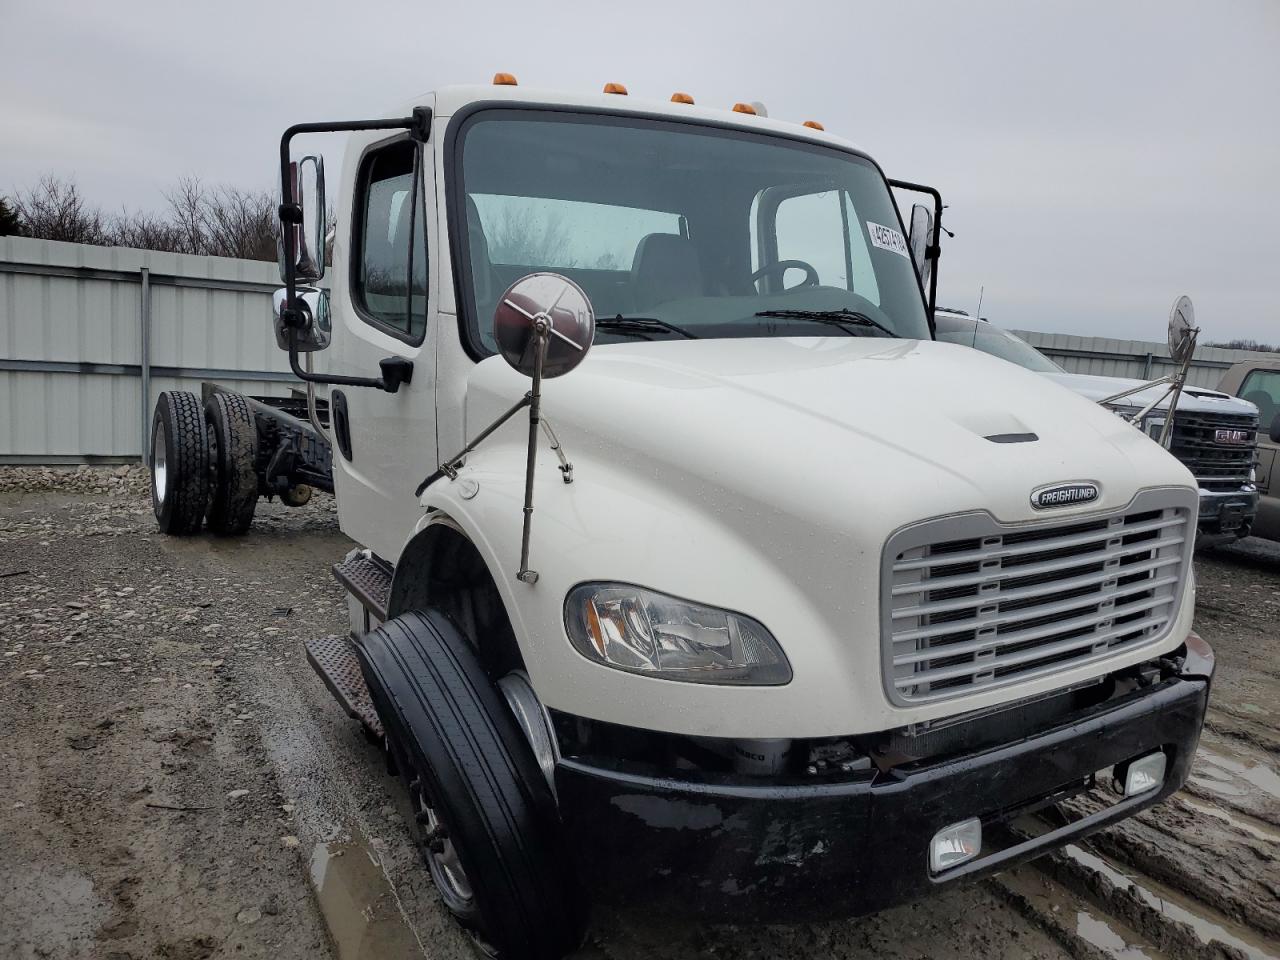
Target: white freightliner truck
point(774, 607)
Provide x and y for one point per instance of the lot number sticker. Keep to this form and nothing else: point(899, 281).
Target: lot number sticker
point(887, 238)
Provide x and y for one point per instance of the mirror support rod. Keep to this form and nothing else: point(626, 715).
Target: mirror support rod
point(934, 250)
point(395, 370)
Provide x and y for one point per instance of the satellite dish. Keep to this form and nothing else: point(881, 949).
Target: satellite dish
point(1182, 330)
point(547, 304)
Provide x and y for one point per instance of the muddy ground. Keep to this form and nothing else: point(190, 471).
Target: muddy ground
point(175, 782)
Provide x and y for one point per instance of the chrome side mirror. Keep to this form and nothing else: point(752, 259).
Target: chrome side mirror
point(306, 189)
point(316, 329)
point(1182, 331)
point(920, 236)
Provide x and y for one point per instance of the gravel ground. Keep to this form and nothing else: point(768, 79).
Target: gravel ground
point(177, 783)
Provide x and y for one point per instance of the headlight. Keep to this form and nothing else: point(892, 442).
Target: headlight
point(1152, 423)
point(650, 633)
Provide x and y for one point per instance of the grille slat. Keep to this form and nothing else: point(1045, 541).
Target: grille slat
point(1073, 624)
point(971, 604)
point(1069, 541)
point(1004, 573)
point(1025, 593)
point(1044, 610)
point(1042, 652)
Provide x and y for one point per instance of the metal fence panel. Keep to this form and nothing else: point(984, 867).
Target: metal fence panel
point(73, 367)
point(1134, 359)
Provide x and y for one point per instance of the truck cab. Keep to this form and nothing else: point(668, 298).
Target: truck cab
point(775, 606)
point(1257, 381)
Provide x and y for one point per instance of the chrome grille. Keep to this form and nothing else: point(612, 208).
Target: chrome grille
point(1217, 465)
point(970, 604)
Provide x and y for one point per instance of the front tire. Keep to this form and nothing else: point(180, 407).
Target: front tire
point(233, 442)
point(179, 463)
point(489, 827)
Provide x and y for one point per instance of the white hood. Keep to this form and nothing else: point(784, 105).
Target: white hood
point(1192, 399)
point(833, 424)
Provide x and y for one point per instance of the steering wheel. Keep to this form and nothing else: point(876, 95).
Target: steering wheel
point(782, 266)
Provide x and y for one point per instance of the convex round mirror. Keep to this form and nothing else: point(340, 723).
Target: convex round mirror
point(1182, 330)
point(544, 299)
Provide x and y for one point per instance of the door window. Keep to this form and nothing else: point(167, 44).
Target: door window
point(1262, 389)
point(389, 282)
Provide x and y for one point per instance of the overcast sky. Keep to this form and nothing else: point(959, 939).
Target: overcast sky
point(1098, 159)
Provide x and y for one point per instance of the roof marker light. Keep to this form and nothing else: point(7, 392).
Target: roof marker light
point(814, 125)
point(744, 108)
point(617, 88)
point(504, 80)
point(681, 98)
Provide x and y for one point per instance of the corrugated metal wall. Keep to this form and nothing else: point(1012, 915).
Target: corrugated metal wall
point(71, 324)
point(71, 332)
point(1136, 359)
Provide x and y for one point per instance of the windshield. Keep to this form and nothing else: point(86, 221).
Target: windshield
point(685, 230)
point(999, 343)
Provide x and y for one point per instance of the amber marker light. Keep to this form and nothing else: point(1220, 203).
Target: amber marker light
point(682, 98)
point(617, 88)
point(814, 125)
point(594, 628)
point(744, 108)
point(504, 80)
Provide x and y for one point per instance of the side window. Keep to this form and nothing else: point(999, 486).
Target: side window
point(824, 230)
point(810, 227)
point(389, 282)
point(1262, 389)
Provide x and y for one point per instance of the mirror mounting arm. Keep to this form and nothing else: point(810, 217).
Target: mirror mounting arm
point(395, 370)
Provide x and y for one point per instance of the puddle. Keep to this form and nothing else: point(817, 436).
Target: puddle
point(1231, 764)
point(1246, 824)
point(1110, 936)
point(1174, 907)
point(1099, 933)
point(359, 904)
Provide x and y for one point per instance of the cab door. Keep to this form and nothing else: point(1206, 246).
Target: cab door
point(385, 306)
point(1261, 387)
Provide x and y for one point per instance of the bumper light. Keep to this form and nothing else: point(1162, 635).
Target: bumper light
point(650, 633)
point(954, 845)
point(1141, 775)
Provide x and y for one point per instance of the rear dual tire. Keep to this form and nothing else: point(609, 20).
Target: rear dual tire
point(203, 463)
point(233, 455)
point(179, 463)
point(487, 821)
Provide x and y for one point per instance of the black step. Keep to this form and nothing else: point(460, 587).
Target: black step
point(368, 579)
point(335, 660)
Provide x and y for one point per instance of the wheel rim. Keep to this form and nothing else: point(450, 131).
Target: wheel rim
point(441, 854)
point(159, 468)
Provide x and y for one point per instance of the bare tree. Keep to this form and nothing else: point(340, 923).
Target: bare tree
point(54, 210)
point(222, 222)
point(1244, 345)
point(521, 236)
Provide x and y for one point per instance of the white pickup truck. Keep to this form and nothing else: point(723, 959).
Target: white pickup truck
point(1215, 434)
point(766, 612)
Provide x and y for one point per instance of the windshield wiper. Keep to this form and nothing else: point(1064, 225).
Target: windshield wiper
point(836, 317)
point(621, 324)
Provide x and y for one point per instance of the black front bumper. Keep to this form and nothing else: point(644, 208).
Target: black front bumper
point(766, 851)
point(1225, 516)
